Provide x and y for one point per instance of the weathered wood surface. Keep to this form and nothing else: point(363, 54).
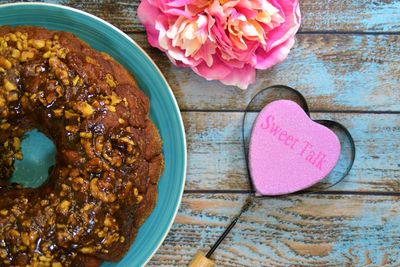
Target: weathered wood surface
point(216, 159)
point(323, 15)
point(311, 230)
point(346, 59)
point(334, 72)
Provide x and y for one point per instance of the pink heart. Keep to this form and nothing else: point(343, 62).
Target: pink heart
point(288, 151)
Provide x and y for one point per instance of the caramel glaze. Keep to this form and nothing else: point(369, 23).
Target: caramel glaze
point(109, 158)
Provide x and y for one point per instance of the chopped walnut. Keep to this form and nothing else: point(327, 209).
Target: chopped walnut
point(99, 193)
point(25, 239)
point(14, 233)
point(16, 143)
point(5, 126)
point(12, 96)
point(78, 183)
point(72, 128)
point(84, 108)
point(87, 250)
point(9, 86)
point(26, 55)
point(4, 212)
point(110, 80)
point(39, 44)
point(16, 53)
point(91, 61)
point(64, 207)
point(75, 80)
point(111, 108)
point(99, 144)
point(70, 114)
point(5, 63)
point(58, 112)
point(87, 145)
point(115, 99)
point(48, 54)
point(86, 134)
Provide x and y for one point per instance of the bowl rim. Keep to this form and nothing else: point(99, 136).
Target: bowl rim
point(174, 101)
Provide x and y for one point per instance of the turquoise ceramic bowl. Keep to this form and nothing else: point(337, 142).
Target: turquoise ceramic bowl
point(164, 112)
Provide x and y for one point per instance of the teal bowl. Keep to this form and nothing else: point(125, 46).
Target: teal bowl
point(164, 112)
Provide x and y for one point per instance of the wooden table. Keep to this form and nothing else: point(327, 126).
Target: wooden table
point(346, 63)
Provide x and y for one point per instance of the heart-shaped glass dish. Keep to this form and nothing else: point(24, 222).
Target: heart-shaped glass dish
point(164, 109)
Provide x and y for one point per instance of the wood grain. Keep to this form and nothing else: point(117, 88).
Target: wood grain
point(351, 15)
point(323, 15)
point(311, 230)
point(216, 160)
point(334, 72)
point(346, 63)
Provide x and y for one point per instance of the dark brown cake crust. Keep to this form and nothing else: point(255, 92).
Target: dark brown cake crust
point(109, 157)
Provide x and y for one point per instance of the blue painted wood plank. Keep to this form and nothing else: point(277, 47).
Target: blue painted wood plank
point(351, 16)
point(216, 160)
point(312, 230)
point(334, 72)
point(323, 15)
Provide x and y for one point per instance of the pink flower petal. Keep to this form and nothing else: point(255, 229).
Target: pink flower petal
point(241, 77)
point(279, 35)
point(218, 71)
point(147, 14)
point(266, 59)
point(178, 12)
point(206, 53)
point(222, 40)
point(179, 3)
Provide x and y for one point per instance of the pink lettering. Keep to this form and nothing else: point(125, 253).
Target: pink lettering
point(307, 146)
point(321, 160)
point(275, 129)
point(268, 120)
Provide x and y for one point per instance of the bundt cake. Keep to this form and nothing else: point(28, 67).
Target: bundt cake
point(109, 153)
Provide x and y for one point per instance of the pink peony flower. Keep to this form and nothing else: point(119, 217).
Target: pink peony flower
point(224, 40)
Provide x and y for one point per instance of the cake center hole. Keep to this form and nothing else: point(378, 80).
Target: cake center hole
point(39, 155)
